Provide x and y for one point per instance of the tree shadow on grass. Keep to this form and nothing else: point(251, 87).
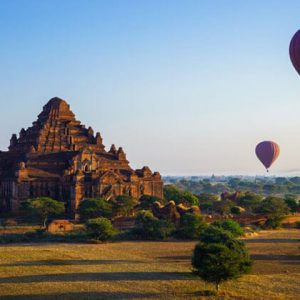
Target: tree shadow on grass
point(83, 296)
point(295, 258)
point(66, 262)
point(104, 276)
point(175, 258)
point(270, 241)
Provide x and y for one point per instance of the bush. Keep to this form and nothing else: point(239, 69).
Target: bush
point(219, 256)
point(233, 227)
point(100, 229)
point(191, 226)
point(149, 227)
point(235, 210)
point(274, 222)
point(94, 208)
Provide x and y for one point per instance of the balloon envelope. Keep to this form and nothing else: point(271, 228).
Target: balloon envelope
point(295, 51)
point(267, 152)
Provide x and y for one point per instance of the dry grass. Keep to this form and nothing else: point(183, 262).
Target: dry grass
point(144, 270)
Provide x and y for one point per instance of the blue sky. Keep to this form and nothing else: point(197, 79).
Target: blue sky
point(186, 87)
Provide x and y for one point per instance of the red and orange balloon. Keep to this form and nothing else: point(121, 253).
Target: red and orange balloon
point(267, 152)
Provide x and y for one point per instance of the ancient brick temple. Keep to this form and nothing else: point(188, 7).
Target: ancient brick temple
point(60, 158)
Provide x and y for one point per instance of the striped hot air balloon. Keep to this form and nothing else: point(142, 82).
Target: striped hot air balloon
point(295, 51)
point(267, 152)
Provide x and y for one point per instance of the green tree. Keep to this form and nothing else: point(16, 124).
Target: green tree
point(191, 226)
point(291, 202)
point(123, 205)
point(276, 209)
point(171, 192)
point(218, 258)
point(230, 225)
point(101, 229)
point(223, 207)
point(149, 227)
point(207, 197)
point(274, 206)
point(146, 201)
point(250, 201)
point(236, 210)
point(93, 208)
point(42, 208)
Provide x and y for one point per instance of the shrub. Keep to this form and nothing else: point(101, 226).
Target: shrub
point(233, 227)
point(235, 210)
point(100, 229)
point(191, 226)
point(149, 227)
point(274, 222)
point(94, 208)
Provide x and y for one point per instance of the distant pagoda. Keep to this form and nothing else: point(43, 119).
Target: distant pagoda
point(58, 157)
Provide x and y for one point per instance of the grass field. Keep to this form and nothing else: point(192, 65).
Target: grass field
point(144, 270)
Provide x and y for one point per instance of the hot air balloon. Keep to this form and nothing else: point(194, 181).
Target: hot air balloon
point(267, 152)
point(295, 51)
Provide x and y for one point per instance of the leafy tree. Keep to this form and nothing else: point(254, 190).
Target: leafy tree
point(123, 205)
point(223, 207)
point(274, 206)
point(207, 197)
point(213, 234)
point(291, 203)
point(216, 263)
point(295, 180)
point(149, 227)
point(171, 192)
point(191, 226)
point(235, 210)
point(230, 225)
point(100, 228)
point(234, 183)
point(250, 200)
point(273, 222)
point(42, 208)
point(206, 201)
point(93, 208)
point(146, 201)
